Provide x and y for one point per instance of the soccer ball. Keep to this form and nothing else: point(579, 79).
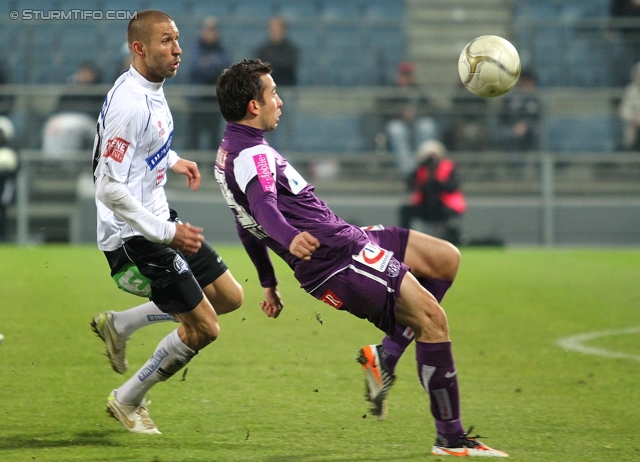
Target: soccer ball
point(489, 66)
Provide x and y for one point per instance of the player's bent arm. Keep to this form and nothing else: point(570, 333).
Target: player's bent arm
point(264, 208)
point(116, 197)
point(259, 255)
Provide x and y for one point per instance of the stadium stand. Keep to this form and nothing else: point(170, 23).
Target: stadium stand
point(321, 28)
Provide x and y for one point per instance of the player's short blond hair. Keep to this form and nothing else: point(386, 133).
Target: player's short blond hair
point(139, 28)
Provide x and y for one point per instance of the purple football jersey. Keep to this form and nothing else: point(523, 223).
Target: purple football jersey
point(272, 203)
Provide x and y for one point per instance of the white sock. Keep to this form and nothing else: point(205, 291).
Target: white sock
point(129, 321)
point(170, 356)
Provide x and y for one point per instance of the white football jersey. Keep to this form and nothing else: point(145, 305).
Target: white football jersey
point(133, 147)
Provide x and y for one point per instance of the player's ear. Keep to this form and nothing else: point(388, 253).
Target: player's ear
point(252, 107)
point(138, 48)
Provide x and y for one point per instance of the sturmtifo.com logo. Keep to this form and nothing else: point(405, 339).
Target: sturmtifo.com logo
point(60, 15)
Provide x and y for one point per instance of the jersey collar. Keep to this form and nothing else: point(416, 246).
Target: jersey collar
point(251, 132)
point(153, 86)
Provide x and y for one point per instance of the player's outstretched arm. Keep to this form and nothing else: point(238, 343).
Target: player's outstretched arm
point(272, 305)
point(190, 170)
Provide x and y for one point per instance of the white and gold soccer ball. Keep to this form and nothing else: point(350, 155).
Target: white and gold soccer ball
point(489, 66)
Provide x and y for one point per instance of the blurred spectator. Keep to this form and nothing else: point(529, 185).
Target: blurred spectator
point(86, 74)
point(520, 116)
point(8, 172)
point(281, 53)
point(435, 193)
point(409, 118)
point(630, 112)
point(626, 15)
point(78, 96)
point(468, 130)
point(208, 59)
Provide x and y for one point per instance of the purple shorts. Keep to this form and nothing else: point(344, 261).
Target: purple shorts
point(368, 285)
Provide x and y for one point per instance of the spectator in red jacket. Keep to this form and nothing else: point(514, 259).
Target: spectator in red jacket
point(435, 193)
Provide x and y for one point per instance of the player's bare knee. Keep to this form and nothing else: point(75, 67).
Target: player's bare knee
point(451, 262)
point(433, 323)
point(207, 334)
point(211, 332)
point(237, 298)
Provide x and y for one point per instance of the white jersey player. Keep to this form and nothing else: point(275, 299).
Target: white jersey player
point(150, 252)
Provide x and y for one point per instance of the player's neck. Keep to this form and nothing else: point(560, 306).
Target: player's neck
point(143, 79)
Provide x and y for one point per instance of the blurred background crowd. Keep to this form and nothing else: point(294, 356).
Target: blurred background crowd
point(365, 84)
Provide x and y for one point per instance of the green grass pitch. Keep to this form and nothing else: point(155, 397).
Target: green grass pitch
point(289, 389)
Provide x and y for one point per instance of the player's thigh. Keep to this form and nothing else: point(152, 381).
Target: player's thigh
point(418, 309)
point(430, 257)
point(225, 293)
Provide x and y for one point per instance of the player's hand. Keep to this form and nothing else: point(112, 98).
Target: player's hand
point(303, 245)
point(188, 238)
point(272, 305)
point(190, 170)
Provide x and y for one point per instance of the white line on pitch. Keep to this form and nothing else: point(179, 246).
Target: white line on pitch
point(576, 343)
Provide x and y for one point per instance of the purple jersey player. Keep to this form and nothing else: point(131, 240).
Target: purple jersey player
point(393, 277)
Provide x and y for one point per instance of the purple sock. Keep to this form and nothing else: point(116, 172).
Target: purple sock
point(402, 337)
point(396, 344)
point(437, 287)
point(438, 376)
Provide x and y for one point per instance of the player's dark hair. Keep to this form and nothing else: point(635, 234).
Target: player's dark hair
point(240, 84)
point(139, 28)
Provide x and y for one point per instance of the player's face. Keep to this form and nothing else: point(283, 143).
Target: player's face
point(163, 52)
point(269, 115)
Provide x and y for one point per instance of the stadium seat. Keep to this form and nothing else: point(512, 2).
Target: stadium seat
point(79, 42)
point(6, 8)
point(13, 41)
point(581, 134)
point(342, 9)
point(327, 133)
point(175, 9)
point(68, 5)
point(296, 9)
point(43, 52)
point(340, 37)
point(252, 9)
point(242, 41)
point(581, 56)
point(201, 8)
point(40, 5)
point(305, 34)
point(384, 9)
point(125, 5)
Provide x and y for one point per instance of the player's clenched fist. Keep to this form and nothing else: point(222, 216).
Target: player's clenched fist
point(303, 245)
